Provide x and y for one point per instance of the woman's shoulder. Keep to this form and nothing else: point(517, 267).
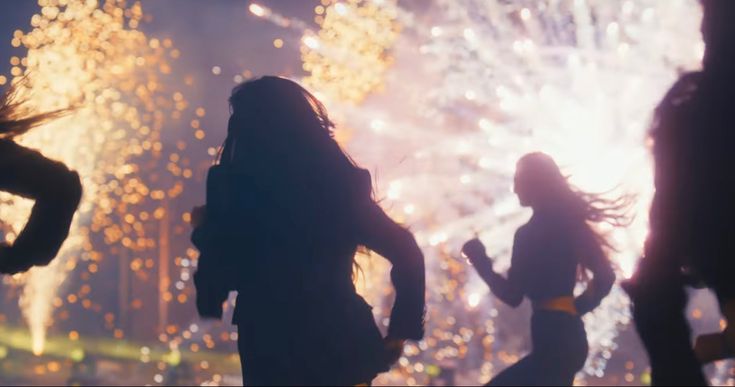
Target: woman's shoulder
point(364, 179)
point(547, 224)
point(361, 185)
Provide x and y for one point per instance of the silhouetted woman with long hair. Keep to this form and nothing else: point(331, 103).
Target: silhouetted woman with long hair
point(24, 172)
point(286, 212)
point(550, 253)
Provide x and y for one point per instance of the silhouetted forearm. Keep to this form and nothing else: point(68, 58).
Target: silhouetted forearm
point(212, 289)
point(501, 287)
point(382, 235)
point(407, 275)
point(600, 286)
point(56, 191)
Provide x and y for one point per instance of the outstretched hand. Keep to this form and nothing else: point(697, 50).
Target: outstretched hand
point(474, 250)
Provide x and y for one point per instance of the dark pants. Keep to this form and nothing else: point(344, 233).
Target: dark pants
point(559, 352)
point(285, 370)
point(307, 352)
point(659, 310)
point(659, 289)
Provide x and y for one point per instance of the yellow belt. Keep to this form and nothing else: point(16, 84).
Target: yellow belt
point(558, 304)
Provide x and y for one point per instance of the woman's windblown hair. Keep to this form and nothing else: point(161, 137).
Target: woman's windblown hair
point(282, 131)
point(591, 208)
point(16, 118)
point(599, 209)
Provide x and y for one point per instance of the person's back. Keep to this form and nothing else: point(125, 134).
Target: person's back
point(286, 212)
point(296, 295)
point(548, 265)
point(693, 140)
point(691, 230)
point(691, 240)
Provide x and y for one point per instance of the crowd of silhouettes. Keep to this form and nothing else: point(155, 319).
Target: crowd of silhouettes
point(287, 209)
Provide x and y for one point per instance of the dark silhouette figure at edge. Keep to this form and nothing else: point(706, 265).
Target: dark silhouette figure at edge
point(24, 172)
point(555, 249)
point(286, 212)
point(692, 233)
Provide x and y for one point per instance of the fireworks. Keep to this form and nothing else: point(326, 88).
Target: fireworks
point(439, 102)
point(474, 85)
point(350, 74)
point(93, 59)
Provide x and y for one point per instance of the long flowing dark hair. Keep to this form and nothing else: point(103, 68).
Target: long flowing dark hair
point(574, 205)
point(281, 134)
point(16, 118)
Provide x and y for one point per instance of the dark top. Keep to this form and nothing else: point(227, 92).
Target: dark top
point(291, 258)
point(547, 252)
point(56, 191)
point(693, 206)
point(544, 261)
point(692, 211)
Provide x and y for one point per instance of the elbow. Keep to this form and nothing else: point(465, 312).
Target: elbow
point(67, 191)
point(63, 188)
point(408, 272)
point(72, 188)
point(508, 296)
point(416, 256)
point(413, 257)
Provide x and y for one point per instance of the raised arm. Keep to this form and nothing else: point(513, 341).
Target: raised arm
point(384, 236)
point(508, 290)
point(56, 191)
point(593, 258)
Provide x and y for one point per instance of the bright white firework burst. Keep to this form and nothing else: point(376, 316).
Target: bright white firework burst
point(476, 84)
